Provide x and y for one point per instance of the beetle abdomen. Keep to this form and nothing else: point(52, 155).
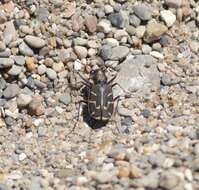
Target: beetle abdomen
point(100, 102)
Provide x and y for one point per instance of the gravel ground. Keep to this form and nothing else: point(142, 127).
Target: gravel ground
point(152, 46)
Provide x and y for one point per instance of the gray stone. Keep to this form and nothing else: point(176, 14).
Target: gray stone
point(11, 91)
point(42, 131)
point(104, 26)
point(24, 49)
point(119, 52)
point(19, 60)
point(134, 20)
point(42, 14)
point(146, 49)
point(52, 75)
point(143, 11)
point(10, 34)
point(35, 42)
point(138, 74)
point(6, 63)
point(65, 98)
point(117, 20)
point(57, 3)
point(15, 70)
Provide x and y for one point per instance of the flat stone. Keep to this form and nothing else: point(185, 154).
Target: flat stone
point(35, 42)
point(143, 11)
point(157, 54)
point(24, 49)
point(168, 17)
point(6, 53)
point(6, 63)
point(117, 20)
point(11, 91)
point(138, 74)
point(42, 14)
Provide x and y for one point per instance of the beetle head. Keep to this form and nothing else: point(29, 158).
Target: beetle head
point(99, 76)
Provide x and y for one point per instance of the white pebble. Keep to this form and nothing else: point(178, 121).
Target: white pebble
point(157, 55)
point(22, 156)
point(77, 65)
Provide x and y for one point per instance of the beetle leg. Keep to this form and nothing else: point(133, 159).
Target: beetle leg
point(111, 80)
point(86, 81)
point(78, 117)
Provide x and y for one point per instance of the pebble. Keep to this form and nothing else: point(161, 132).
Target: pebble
point(143, 11)
point(2, 46)
point(140, 30)
point(65, 98)
point(154, 31)
point(25, 50)
point(10, 33)
point(6, 63)
point(117, 20)
point(168, 17)
point(104, 26)
point(35, 106)
point(146, 49)
point(91, 23)
point(42, 131)
point(41, 69)
point(52, 75)
point(11, 91)
point(157, 55)
point(134, 20)
point(15, 70)
point(169, 180)
point(81, 51)
point(23, 100)
point(35, 42)
point(22, 156)
point(108, 9)
point(19, 60)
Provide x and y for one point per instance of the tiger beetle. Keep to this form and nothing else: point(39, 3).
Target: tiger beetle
point(99, 99)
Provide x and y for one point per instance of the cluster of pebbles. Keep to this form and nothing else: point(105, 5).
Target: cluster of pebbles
point(153, 48)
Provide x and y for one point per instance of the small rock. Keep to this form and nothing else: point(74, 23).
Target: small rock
point(104, 26)
point(36, 107)
point(169, 180)
point(168, 17)
point(146, 49)
point(135, 172)
point(52, 75)
point(102, 177)
point(3, 18)
point(30, 64)
point(26, 29)
point(42, 131)
point(15, 70)
point(154, 30)
point(19, 60)
point(24, 49)
point(35, 42)
point(77, 65)
point(134, 20)
point(143, 11)
point(65, 98)
point(111, 42)
point(41, 69)
point(91, 23)
point(157, 55)
point(117, 20)
point(140, 30)
point(123, 172)
point(11, 91)
point(58, 67)
point(23, 100)
point(42, 14)
point(6, 63)
point(119, 52)
point(80, 51)
point(108, 9)
point(22, 156)
point(10, 34)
